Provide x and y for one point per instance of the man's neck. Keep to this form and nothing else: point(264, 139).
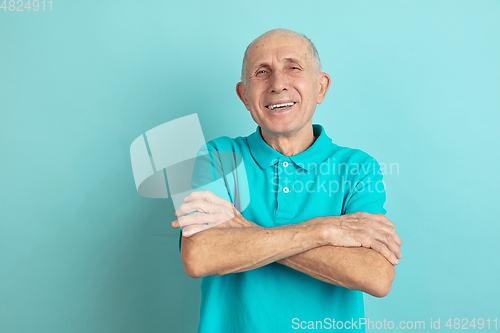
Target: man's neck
point(290, 144)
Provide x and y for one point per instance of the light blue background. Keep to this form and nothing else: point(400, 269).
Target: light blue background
point(414, 82)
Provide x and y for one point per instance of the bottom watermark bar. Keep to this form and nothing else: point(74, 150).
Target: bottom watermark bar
point(367, 324)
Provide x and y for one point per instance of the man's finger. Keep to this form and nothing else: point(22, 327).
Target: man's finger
point(389, 242)
point(215, 198)
point(391, 239)
point(396, 238)
point(383, 250)
point(391, 231)
point(195, 218)
point(388, 227)
point(204, 195)
point(194, 206)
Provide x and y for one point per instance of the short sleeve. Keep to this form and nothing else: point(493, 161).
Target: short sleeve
point(366, 189)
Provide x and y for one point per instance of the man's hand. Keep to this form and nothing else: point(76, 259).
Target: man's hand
point(208, 211)
point(372, 231)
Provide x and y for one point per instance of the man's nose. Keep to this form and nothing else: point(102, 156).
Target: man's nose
point(279, 82)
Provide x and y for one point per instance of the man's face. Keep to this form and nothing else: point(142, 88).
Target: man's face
point(281, 89)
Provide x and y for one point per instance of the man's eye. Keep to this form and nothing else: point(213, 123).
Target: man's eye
point(262, 71)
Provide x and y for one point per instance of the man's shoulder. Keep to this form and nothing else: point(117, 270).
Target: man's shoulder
point(342, 154)
point(351, 155)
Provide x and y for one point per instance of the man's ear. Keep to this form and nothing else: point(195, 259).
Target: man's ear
point(324, 84)
point(241, 91)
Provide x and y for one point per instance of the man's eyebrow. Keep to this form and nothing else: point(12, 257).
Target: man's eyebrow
point(262, 65)
point(290, 59)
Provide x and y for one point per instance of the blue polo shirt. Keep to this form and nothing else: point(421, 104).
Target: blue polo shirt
point(324, 180)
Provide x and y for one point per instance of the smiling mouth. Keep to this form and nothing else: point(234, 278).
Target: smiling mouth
point(279, 106)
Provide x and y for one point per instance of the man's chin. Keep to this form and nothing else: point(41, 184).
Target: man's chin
point(279, 129)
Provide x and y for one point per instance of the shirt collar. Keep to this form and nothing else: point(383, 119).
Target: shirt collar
point(266, 156)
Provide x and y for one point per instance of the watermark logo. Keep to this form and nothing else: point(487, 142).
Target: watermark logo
point(172, 160)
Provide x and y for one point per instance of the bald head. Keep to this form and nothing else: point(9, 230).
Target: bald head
point(313, 52)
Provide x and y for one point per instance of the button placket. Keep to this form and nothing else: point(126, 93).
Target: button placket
point(285, 196)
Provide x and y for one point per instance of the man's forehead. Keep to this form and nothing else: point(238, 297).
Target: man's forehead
point(285, 48)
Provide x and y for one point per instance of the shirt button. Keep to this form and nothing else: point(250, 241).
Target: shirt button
point(285, 164)
point(286, 190)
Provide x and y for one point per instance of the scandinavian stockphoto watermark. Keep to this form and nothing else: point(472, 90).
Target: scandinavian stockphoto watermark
point(328, 186)
point(331, 167)
point(367, 324)
point(331, 177)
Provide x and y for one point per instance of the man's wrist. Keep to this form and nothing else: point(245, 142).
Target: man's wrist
point(326, 227)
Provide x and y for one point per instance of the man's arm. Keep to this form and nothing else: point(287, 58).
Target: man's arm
point(353, 268)
point(314, 247)
point(234, 246)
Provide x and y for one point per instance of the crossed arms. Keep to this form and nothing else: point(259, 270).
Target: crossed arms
point(357, 251)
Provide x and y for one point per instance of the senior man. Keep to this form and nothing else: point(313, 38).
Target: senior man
point(314, 236)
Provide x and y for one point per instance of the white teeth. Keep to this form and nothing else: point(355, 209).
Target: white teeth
point(271, 107)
